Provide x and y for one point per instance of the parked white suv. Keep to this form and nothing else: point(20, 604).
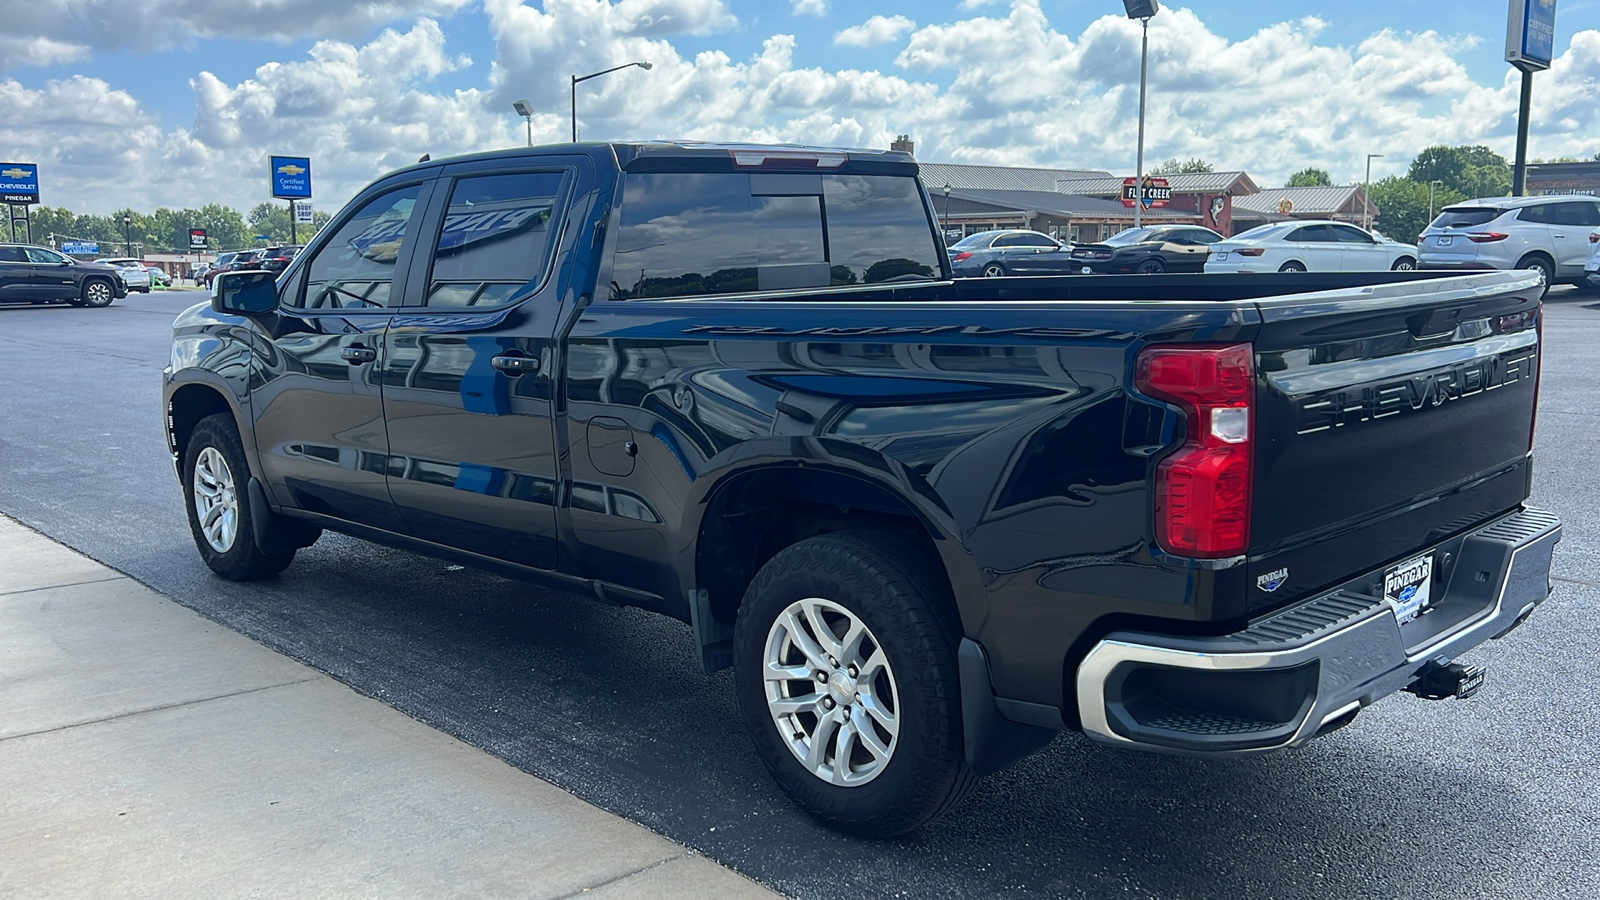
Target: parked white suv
point(1548, 233)
point(133, 272)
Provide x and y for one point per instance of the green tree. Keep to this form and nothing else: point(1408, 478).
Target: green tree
point(1403, 206)
point(1188, 167)
point(1309, 177)
point(1471, 171)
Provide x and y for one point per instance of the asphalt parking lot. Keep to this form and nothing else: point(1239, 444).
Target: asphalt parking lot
point(1488, 798)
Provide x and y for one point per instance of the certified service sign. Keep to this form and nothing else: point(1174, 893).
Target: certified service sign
point(1531, 34)
point(19, 183)
point(291, 177)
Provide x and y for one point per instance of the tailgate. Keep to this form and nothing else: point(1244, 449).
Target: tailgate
point(1388, 419)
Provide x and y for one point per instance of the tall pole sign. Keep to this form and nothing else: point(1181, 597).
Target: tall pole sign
point(1530, 46)
point(19, 187)
point(291, 180)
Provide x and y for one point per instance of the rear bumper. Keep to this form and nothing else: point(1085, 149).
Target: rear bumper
point(1308, 669)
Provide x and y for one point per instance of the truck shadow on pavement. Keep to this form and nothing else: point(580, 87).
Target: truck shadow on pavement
point(610, 704)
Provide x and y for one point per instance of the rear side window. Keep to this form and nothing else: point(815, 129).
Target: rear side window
point(356, 269)
point(495, 240)
point(730, 232)
point(1034, 240)
point(1311, 234)
point(11, 254)
point(1466, 217)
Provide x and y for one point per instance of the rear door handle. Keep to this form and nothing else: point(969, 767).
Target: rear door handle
point(515, 365)
point(358, 354)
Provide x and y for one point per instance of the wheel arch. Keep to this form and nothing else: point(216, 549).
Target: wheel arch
point(190, 401)
point(748, 516)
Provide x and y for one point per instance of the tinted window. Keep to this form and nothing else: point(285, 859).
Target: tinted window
point(1034, 240)
point(1349, 235)
point(1579, 213)
point(11, 254)
point(1201, 236)
point(718, 233)
point(1541, 213)
point(1131, 236)
point(1311, 234)
point(1466, 217)
point(1008, 240)
point(495, 239)
point(41, 255)
point(973, 241)
point(356, 268)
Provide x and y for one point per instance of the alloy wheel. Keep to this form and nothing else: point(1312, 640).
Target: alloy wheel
point(831, 692)
point(216, 500)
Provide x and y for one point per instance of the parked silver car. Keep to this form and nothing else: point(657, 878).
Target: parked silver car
point(1548, 233)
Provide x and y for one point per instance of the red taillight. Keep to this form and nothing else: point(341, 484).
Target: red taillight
point(961, 257)
point(1251, 251)
point(1486, 237)
point(1202, 492)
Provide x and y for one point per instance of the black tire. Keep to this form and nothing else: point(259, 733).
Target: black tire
point(908, 610)
point(241, 559)
point(994, 270)
point(1404, 264)
point(1292, 266)
point(1543, 264)
point(1152, 267)
point(97, 294)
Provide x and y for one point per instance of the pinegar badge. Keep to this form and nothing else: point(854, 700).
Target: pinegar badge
point(1273, 580)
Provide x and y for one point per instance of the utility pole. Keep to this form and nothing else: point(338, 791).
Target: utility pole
point(1142, 10)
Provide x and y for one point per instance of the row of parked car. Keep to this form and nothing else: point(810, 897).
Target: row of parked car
point(33, 274)
point(1559, 236)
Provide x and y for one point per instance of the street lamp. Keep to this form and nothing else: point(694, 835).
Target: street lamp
point(576, 79)
point(1366, 192)
point(1141, 10)
point(1430, 198)
point(127, 234)
point(526, 112)
point(944, 226)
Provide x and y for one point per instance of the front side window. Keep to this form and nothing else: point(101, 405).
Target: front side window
point(685, 234)
point(47, 257)
point(356, 268)
point(495, 240)
point(1577, 213)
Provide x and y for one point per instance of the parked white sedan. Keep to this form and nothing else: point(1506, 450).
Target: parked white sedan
point(1315, 246)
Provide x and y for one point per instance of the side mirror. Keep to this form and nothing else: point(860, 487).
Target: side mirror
point(249, 293)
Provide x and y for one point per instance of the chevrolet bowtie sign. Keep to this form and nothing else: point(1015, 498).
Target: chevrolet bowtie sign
point(291, 177)
point(19, 183)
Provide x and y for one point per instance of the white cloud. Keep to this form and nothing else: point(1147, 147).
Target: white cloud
point(874, 31)
point(809, 7)
point(1269, 103)
point(20, 52)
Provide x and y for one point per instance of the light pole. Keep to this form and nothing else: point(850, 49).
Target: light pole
point(1366, 192)
point(127, 234)
point(1430, 197)
point(944, 226)
point(1141, 10)
point(526, 112)
point(577, 78)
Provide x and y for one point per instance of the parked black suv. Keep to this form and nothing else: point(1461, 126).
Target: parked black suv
point(33, 274)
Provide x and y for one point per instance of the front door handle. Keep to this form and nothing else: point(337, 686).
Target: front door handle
point(358, 354)
point(515, 365)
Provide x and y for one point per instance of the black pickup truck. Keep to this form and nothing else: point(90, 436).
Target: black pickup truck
point(929, 523)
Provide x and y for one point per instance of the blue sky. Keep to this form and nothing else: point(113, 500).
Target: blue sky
point(153, 103)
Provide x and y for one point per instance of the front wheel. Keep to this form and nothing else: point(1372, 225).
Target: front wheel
point(994, 270)
point(1404, 264)
point(1292, 267)
point(96, 294)
point(214, 477)
point(845, 665)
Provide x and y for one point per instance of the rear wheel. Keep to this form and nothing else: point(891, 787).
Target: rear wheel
point(1542, 264)
point(1292, 267)
point(994, 270)
point(96, 293)
point(1152, 267)
point(845, 664)
point(214, 477)
point(1404, 264)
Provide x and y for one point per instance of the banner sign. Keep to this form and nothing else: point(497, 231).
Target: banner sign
point(197, 239)
point(1531, 34)
point(1156, 192)
point(19, 183)
point(291, 177)
point(80, 248)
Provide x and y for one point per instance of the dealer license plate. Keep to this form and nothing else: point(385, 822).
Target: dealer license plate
point(1087, 270)
point(1446, 240)
point(1407, 587)
point(1220, 255)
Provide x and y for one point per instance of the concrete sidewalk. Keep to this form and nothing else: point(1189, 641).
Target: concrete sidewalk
point(148, 752)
